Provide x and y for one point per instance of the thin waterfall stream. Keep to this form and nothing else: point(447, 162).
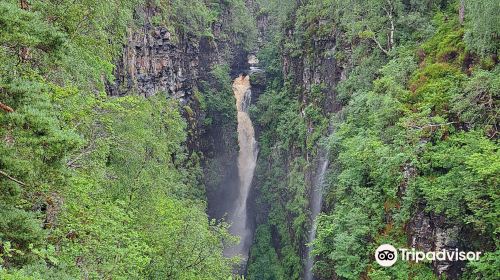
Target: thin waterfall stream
point(316, 202)
point(247, 159)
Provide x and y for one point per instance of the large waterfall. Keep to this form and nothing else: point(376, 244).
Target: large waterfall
point(247, 159)
point(316, 201)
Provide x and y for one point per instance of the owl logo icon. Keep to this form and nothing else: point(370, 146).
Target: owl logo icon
point(386, 255)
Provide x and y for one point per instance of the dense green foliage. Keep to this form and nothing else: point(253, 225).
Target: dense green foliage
point(93, 187)
point(197, 17)
point(402, 94)
point(265, 263)
point(483, 26)
point(417, 135)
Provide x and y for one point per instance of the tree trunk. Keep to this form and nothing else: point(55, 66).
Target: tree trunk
point(391, 40)
point(25, 5)
point(461, 12)
point(24, 52)
point(390, 15)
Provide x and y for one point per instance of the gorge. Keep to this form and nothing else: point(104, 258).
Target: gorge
point(247, 139)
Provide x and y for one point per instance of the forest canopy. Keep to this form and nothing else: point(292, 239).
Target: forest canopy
point(397, 99)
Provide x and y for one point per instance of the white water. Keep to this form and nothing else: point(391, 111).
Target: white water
point(247, 159)
point(316, 201)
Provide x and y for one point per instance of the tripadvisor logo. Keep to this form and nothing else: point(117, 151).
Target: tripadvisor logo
point(386, 255)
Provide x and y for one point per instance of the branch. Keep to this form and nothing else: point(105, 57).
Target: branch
point(374, 38)
point(432, 125)
point(379, 46)
point(86, 151)
point(6, 108)
point(12, 178)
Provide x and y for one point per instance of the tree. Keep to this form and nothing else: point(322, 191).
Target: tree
point(482, 25)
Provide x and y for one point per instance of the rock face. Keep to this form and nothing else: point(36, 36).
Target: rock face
point(430, 232)
point(152, 62)
point(318, 68)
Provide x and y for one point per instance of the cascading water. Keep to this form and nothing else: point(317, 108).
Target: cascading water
point(247, 159)
point(316, 201)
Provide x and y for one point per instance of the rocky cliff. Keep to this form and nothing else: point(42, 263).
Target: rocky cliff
point(156, 59)
point(152, 63)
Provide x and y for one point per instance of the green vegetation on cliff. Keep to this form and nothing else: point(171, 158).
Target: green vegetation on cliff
point(93, 187)
point(414, 137)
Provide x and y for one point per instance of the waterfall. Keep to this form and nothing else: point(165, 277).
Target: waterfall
point(316, 201)
point(247, 159)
